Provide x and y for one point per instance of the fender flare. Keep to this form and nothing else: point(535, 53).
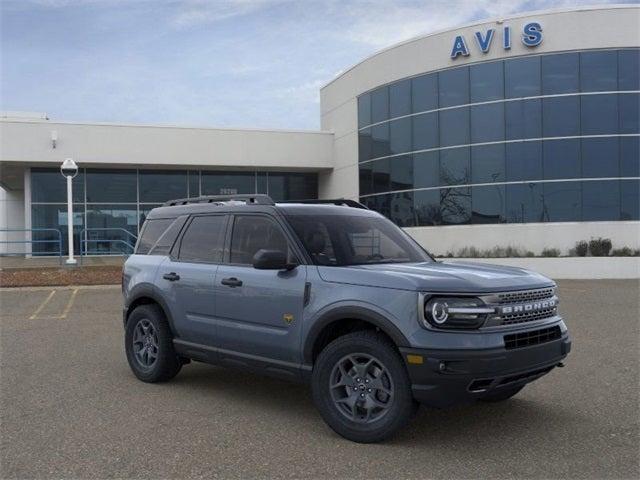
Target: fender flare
point(148, 291)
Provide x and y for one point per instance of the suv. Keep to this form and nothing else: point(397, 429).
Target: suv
point(336, 295)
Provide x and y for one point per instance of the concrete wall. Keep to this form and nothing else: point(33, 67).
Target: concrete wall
point(12, 215)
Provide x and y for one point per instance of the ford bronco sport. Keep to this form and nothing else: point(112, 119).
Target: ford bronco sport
point(336, 295)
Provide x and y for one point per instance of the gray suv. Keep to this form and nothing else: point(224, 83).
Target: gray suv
point(333, 294)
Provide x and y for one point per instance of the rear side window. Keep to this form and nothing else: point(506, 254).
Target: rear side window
point(151, 232)
point(204, 240)
point(168, 238)
point(252, 233)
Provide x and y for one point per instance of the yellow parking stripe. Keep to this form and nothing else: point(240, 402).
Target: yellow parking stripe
point(42, 305)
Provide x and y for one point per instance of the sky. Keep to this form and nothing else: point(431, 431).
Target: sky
point(218, 63)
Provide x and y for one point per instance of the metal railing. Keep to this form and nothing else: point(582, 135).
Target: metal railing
point(128, 242)
point(31, 241)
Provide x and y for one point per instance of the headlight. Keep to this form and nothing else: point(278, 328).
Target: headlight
point(455, 312)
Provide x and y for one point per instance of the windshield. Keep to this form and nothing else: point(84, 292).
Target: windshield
point(341, 240)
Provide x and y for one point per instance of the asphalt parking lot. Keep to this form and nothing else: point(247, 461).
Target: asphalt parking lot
point(71, 408)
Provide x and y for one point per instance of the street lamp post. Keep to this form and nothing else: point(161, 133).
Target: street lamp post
point(69, 169)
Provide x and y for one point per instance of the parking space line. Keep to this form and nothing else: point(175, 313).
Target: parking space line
point(42, 305)
point(69, 304)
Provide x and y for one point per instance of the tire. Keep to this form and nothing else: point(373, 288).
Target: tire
point(501, 395)
point(148, 328)
point(370, 401)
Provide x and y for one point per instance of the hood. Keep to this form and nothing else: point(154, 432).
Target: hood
point(462, 277)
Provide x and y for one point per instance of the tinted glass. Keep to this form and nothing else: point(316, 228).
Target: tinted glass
point(562, 202)
point(426, 169)
point(366, 178)
point(117, 186)
point(561, 116)
point(488, 204)
point(292, 186)
point(144, 212)
point(524, 203)
point(523, 119)
point(561, 159)
point(630, 200)
point(380, 140)
point(424, 90)
point(487, 164)
point(425, 131)
point(400, 135)
point(151, 233)
point(455, 166)
point(262, 184)
point(629, 113)
point(160, 186)
point(487, 81)
point(560, 73)
point(400, 98)
point(630, 157)
point(599, 71)
point(365, 145)
point(401, 207)
point(454, 127)
point(48, 185)
point(599, 114)
point(600, 201)
point(523, 161)
point(252, 233)
point(168, 238)
point(600, 157)
point(487, 123)
point(115, 228)
point(380, 104)
point(364, 110)
point(455, 205)
point(427, 207)
point(629, 70)
point(453, 87)
point(194, 183)
point(203, 240)
point(228, 183)
point(48, 242)
point(381, 175)
point(402, 172)
point(522, 77)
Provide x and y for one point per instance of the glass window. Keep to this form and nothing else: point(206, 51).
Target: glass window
point(203, 240)
point(151, 233)
point(629, 113)
point(144, 212)
point(111, 186)
point(112, 228)
point(424, 93)
point(630, 200)
point(453, 87)
point(381, 175)
point(523, 119)
point(425, 131)
point(292, 186)
point(523, 161)
point(167, 239)
point(630, 156)
point(560, 73)
point(54, 217)
point(522, 77)
point(49, 186)
point(364, 110)
point(402, 172)
point(524, 203)
point(365, 145)
point(228, 183)
point(488, 204)
point(487, 164)
point(600, 201)
point(599, 114)
point(561, 116)
point(487, 123)
point(487, 81)
point(454, 127)
point(252, 233)
point(561, 159)
point(600, 157)
point(455, 205)
point(427, 207)
point(599, 71)
point(629, 69)
point(381, 204)
point(454, 166)
point(400, 135)
point(194, 183)
point(262, 183)
point(162, 185)
point(562, 202)
point(380, 141)
point(400, 98)
point(380, 105)
point(401, 207)
point(426, 169)
point(366, 178)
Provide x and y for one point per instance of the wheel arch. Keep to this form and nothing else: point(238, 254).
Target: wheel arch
point(145, 296)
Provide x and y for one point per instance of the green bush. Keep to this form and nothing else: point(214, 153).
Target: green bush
point(600, 247)
point(581, 248)
point(550, 252)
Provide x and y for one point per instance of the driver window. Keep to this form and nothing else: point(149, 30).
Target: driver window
point(255, 232)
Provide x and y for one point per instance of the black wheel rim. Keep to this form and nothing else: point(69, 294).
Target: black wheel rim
point(145, 343)
point(361, 388)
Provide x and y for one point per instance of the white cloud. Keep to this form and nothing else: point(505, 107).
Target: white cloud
point(199, 12)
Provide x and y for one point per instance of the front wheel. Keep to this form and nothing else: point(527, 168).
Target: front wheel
point(361, 387)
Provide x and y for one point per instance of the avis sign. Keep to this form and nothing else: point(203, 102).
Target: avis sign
point(531, 37)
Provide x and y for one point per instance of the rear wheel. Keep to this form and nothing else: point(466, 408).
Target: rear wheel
point(361, 387)
point(501, 394)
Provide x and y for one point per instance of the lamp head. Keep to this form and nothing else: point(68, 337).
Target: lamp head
point(69, 168)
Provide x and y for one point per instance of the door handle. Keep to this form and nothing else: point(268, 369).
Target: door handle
point(231, 282)
point(172, 277)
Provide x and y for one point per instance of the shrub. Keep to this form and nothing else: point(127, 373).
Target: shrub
point(625, 252)
point(600, 247)
point(550, 252)
point(581, 248)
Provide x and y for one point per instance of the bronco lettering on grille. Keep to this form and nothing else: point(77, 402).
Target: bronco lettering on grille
point(527, 307)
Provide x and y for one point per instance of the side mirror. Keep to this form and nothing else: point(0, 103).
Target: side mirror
point(271, 260)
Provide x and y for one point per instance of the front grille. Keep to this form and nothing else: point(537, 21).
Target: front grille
point(535, 337)
point(523, 297)
point(528, 317)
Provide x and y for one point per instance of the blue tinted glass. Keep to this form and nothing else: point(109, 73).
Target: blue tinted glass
point(454, 87)
point(55, 217)
point(454, 127)
point(381, 175)
point(488, 204)
point(630, 156)
point(487, 123)
point(401, 209)
point(117, 220)
point(292, 186)
point(228, 183)
point(455, 205)
point(562, 202)
point(400, 98)
point(364, 110)
point(454, 166)
point(561, 159)
point(524, 203)
point(380, 104)
point(194, 183)
point(523, 161)
point(380, 140)
point(117, 186)
point(561, 116)
point(402, 172)
point(600, 157)
point(629, 113)
point(48, 185)
point(630, 200)
point(629, 70)
point(487, 81)
point(365, 145)
point(426, 169)
point(601, 200)
point(427, 207)
point(487, 164)
point(599, 71)
point(599, 114)
point(162, 185)
point(262, 182)
point(522, 77)
point(400, 135)
point(424, 91)
point(381, 204)
point(523, 119)
point(425, 131)
point(366, 178)
point(560, 73)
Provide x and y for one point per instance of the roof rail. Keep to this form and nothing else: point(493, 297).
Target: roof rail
point(337, 201)
point(257, 199)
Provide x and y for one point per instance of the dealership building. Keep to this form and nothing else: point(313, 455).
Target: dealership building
point(520, 131)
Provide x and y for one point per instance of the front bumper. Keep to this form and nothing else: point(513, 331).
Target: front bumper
point(450, 377)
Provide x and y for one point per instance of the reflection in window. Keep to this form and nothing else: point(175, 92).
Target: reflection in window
point(599, 114)
point(107, 186)
point(365, 145)
point(629, 113)
point(401, 205)
point(400, 99)
point(487, 164)
point(600, 200)
point(630, 200)
point(402, 172)
point(488, 204)
point(455, 205)
point(364, 110)
point(382, 175)
point(630, 156)
point(380, 104)
point(380, 140)
point(194, 183)
point(523, 119)
point(629, 69)
point(600, 157)
point(292, 186)
point(454, 127)
point(400, 135)
point(108, 226)
point(228, 183)
point(144, 212)
point(49, 186)
point(427, 207)
point(425, 131)
point(522, 77)
point(453, 87)
point(561, 116)
point(162, 185)
point(54, 217)
point(204, 239)
point(487, 123)
point(560, 73)
point(524, 203)
point(523, 161)
point(366, 178)
point(424, 92)
point(561, 159)
point(599, 71)
point(426, 169)
point(454, 166)
point(487, 81)
point(562, 202)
